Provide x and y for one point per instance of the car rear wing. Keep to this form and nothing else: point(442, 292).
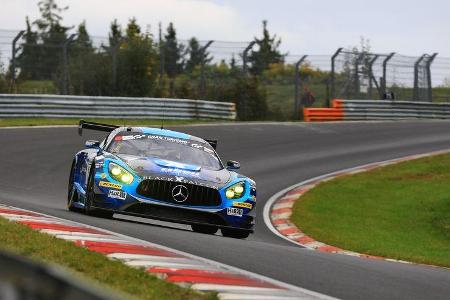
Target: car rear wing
point(213, 143)
point(95, 126)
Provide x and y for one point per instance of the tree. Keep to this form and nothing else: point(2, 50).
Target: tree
point(52, 35)
point(115, 34)
point(251, 103)
point(29, 58)
point(3, 84)
point(173, 56)
point(356, 69)
point(137, 71)
point(196, 55)
point(83, 41)
point(267, 52)
point(82, 56)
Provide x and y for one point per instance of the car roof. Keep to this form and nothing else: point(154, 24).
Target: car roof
point(163, 132)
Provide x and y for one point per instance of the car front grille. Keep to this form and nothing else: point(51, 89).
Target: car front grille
point(162, 190)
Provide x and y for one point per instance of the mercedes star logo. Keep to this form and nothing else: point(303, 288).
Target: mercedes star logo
point(180, 193)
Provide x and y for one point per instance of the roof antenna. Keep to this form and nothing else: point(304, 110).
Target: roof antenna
point(164, 110)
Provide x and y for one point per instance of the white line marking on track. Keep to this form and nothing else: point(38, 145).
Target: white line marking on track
point(102, 238)
point(149, 264)
point(228, 296)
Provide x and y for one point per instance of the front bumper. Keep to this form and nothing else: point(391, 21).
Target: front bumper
point(148, 208)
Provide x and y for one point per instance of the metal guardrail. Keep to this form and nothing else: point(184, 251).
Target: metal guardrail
point(394, 110)
point(21, 278)
point(343, 110)
point(56, 106)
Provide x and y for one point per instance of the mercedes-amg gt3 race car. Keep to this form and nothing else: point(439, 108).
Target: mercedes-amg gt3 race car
point(164, 175)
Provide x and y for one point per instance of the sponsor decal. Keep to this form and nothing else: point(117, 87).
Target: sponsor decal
point(200, 146)
point(99, 161)
point(117, 194)
point(181, 180)
point(237, 212)
point(243, 205)
point(110, 185)
point(179, 172)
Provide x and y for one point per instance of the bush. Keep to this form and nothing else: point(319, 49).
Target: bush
point(251, 99)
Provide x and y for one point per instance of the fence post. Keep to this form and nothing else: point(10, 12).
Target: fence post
point(429, 83)
point(162, 52)
point(416, 78)
point(202, 68)
point(245, 54)
point(356, 81)
point(383, 82)
point(297, 100)
point(66, 64)
point(371, 76)
point(13, 57)
point(333, 71)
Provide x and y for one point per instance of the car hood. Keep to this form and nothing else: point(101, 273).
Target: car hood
point(156, 168)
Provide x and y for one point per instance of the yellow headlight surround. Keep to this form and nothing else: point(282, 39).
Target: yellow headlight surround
point(119, 173)
point(235, 191)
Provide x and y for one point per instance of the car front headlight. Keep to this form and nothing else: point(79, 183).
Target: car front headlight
point(119, 173)
point(235, 191)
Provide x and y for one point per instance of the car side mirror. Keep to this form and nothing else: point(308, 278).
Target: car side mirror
point(233, 165)
point(92, 144)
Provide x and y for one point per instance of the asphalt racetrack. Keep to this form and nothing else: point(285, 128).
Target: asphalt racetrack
point(36, 162)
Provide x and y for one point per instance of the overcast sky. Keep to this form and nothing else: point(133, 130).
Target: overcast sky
point(306, 26)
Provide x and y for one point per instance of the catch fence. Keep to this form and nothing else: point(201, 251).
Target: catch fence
point(299, 81)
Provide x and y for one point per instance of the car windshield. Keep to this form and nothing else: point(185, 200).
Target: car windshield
point(167, 148)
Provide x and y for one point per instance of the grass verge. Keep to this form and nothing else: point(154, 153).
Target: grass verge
point(400, 211)
point(45, 121)
point(94, 267)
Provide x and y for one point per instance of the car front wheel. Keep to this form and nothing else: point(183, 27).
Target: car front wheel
point(90, 195)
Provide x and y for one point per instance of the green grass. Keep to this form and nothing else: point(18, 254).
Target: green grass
point(45, 121)
point(400, 211)
point(37, 87)
point(94, 267)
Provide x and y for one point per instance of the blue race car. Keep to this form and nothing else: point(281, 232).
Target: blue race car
point(164, 175)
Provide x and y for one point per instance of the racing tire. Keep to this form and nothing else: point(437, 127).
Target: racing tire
point(72, 194)
point(90, 194)
point(207, 229)
point(235, 233)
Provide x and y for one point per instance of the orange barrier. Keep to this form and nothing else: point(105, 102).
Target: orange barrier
point(335, 113)
point(337, 103)
point(323, 114)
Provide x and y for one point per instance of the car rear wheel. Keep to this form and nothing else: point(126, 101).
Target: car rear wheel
point(235, 233)
point(207, 229)
point(90, 195)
